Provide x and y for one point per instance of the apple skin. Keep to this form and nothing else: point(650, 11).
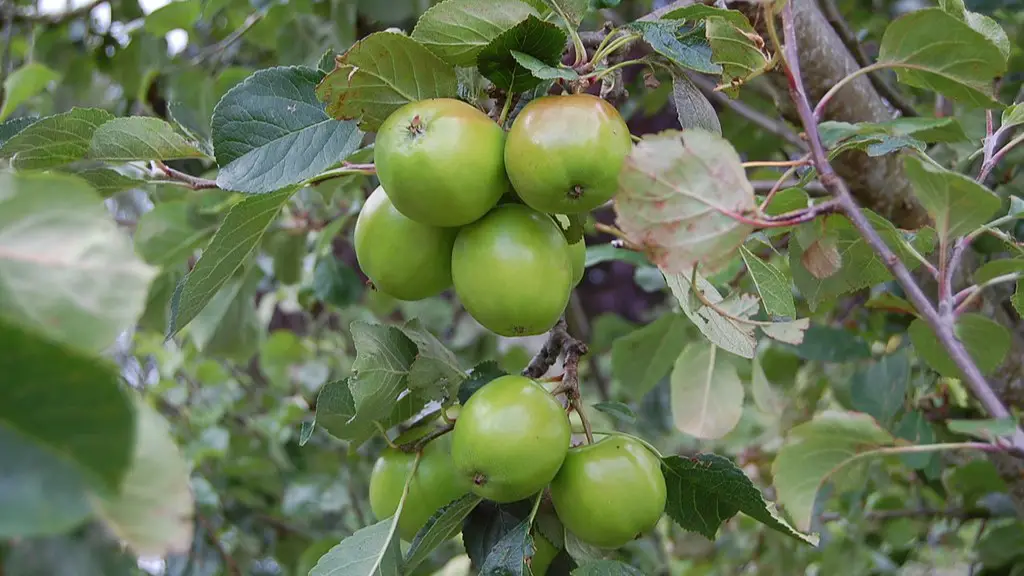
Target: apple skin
point(435, 484)
point(610, 492)
point(403, 258)
point(564, 153)
point(441, 161)
point(578, 256)
point(510, 439)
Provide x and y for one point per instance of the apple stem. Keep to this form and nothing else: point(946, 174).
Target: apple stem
point(561, 343)
point(420, 444)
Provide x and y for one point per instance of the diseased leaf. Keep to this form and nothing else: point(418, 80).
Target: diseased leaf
point(25, 82)
point(643, 357)
point(816, 450)
point(692, 107)
point(456, 30)
point(371, 551)
point(706, 490)
point(707, 395)
point(677, 191)
point(726, 333)
point(441, 527)
point(986, 341)
point(733, 47)
point(270, 131)
point(772, 285)
point(381, 73)
point(140, 138)
point(55, 140)
point(931, 49)
point(534, 37)
point(685, 46)
point(957, 204)
point(822, 258)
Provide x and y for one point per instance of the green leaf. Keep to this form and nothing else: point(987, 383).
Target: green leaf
point(381, 73)
point(166, 235)
point(974, 480)
point(706, 490)
point(772, 285)
point(542, 70)
point(456, 30)
point(1017, 300)
point(878, 138)
point(617, 410)
point(788, 200)
point(831, 345)
point(986, 341)
point(891, 303)
point(488, 524)
point(66, 270)
point(228, 326)
point(43, 492)
point(260, 149)
point(935, 51)
point(914, 427)
point(957, 204)
point(1001, 545)
point(645, 356)
point(696, 12)
point(177, 14)
point(152, 509)
point(573, 10)
point(766, 397)
point(478, 377)
point(90, 554)
point(675, 189)
point(991, 30)
point(733, 47)
point(996, 268)
point(599, 253)
point(1012, 116)
point(336, 283)
point(435, 369)
point(54, 140)
point(69, 404)
point(606, 568)
point(985, 429)
point(24, 83)
point(371, 551)
point(237, 237)
point(707, 395)
point(440, 528)
point(816, 450)
point(11, 127)
point(336, 413)
point(106, 181)
point(880, 388)
point(533, 37)
point(684, 46)
point(140, 138)
point(509, 555)
point(692, 108)
point(723, 332)
point(384, 356)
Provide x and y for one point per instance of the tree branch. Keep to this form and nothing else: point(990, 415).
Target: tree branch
point(230, 566)
point(924, 513)
point(560, 343)
point(193, 182)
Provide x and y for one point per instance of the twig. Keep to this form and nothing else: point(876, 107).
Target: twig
point(229, 39)
point(420, 443)
point(561, 343)
point(764, 122)
point(193, 182)
point(987, 167)
point(942, 325)
point(887, 91)
point(229, 563)
point(955, 513)
point(781, 182)
point(777, 163)
point(964, 298)
point(766, 186)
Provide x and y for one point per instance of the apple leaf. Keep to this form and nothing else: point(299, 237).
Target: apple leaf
point(371, 551)
point(509, 555)
point(880, 388)
point(12, 127)
point(140, 138)
point(707, 395)
point(478, 377)
point(542, 70)
point(456, 30)
point(260, 148)
point(986, 429)
point(606, 568)
point(238, 235)
point(986, 341)
point(617, 410)
point(167, 235)
point(692, 107)
point(574, 10)
point(932, 50)
point(684, 46)
point(697, 12)
point(814, 451)
point(957, 204)
point(643, 357)
point(435, 367)
point(734, 49)
point(677, 192)
point(488, 524)
point(381, 73)
point(441, 527)
point(533, 37)
point(831, 345)
point(724, 332)
point(996, 268)
point(336, 413)
point(766, 397)
point(1012, 116)
point(772, 285)
point(55, 140)
point(25, 82)
point(706, 490)
point(106, 181)
point(384, 356)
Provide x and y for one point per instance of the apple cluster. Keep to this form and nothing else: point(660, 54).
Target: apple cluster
point(512, 441)
point(463, 203)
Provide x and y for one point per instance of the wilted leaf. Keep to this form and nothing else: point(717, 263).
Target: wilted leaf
point(986, 341)
point(456, 30)
point(643, 357)
point(821, 258)
point(707, 395)
point(678, 192)
point(726, 333)
point(957, 204)
point(533, 37)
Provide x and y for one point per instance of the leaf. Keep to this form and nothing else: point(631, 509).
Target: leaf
point(831, 345)
point(178, 14)
point(43, 492)
point(542, 70)
point(12, 127)
point(336, 413)
point(508, 557)
point(441, 527)
point(456, 30)
point(957, 204)
point(384, 356)
point(617, 410)
point(166, 235)
point(238, 235)
point(935, 51)
point(991, 30)
point(270, 131)
point(707, 395)
point(381, 73)
point(488, 524)
point(890, 303)
point(675, 191)
point(986, 429)
point(733, 47)
point(90, 553)
point(692, 107)
point(140, 138)
point(106, 181)
point(788, 332)
point(706, 490)
point(599, 253)
point(1001, 545)
point(336, 283)
point(66, 403)
point(371, 551)
point(986, 341)
point(66, 270)
point(574, 10)
point(772, 285)
point(914, 427)
point(880, 388)
point(1012, 116)
point(822, 258)
point(25, 82)
point(606, 568)
point(889, 134)
point(973, 480)
point(814, 451)
point(766, 397)
point(696, 12)
point(228, 327)
point(684, 46)
point(533, 37)
point(996, 268)
point(435, 368)
point(152, 510)
point(643, 357)
point(54, 140)
point(478, 377)
point(726, 333)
